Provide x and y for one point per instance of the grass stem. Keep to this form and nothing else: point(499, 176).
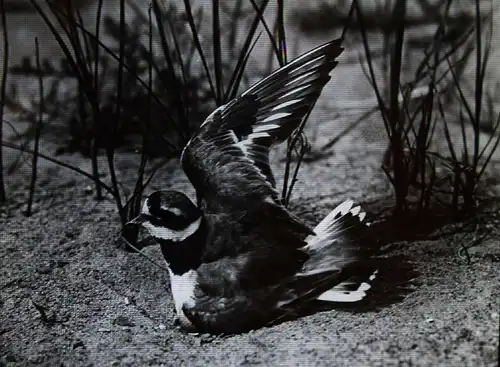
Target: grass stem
point(39, 126)
point(3, 88)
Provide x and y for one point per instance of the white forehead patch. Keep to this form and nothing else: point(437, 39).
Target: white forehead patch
point(176, 211)
point(171, 234)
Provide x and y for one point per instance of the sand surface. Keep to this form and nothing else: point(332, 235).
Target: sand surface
point(105, 306)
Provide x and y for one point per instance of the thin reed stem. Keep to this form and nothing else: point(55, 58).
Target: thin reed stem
point(3, 88)
point(94, 149)
point(39, 126)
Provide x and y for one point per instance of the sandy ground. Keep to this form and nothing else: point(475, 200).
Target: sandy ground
point(104, 306)
point(108, 307)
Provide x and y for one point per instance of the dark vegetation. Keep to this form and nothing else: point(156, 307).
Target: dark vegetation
point(410, 125)
point(143, 93)
point(150, 89)
point(413, 110)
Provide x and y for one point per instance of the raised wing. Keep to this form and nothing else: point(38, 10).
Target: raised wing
point(229, 156)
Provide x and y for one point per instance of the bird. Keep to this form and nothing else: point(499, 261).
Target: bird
point(238, 259)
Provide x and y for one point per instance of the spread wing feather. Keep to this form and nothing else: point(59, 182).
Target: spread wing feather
point(229, 156)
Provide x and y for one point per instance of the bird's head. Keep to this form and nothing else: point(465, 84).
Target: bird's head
point(169, 216)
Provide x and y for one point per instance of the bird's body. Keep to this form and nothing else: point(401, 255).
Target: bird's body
point(240, 260)
point(257, 271)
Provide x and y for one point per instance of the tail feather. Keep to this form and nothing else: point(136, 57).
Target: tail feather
point(344, 224)
point(344, 252)
point(340, 241)
point(394, 278)
point(354, 289)
point(343, 270)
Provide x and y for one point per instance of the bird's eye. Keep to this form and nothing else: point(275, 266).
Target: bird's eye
point(154, 220)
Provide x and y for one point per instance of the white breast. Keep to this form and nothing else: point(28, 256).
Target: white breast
point(182, 288)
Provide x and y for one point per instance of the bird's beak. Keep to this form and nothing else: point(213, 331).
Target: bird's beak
point(140, 219)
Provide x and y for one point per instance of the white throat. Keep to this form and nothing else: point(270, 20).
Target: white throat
point(171, 234)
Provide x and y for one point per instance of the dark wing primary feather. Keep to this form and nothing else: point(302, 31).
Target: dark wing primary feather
point(219, 164)
point(228, 158)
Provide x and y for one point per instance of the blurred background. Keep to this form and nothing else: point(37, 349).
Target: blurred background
point(139, 76)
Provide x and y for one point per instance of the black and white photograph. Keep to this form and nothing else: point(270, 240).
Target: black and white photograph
point(249, 183)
